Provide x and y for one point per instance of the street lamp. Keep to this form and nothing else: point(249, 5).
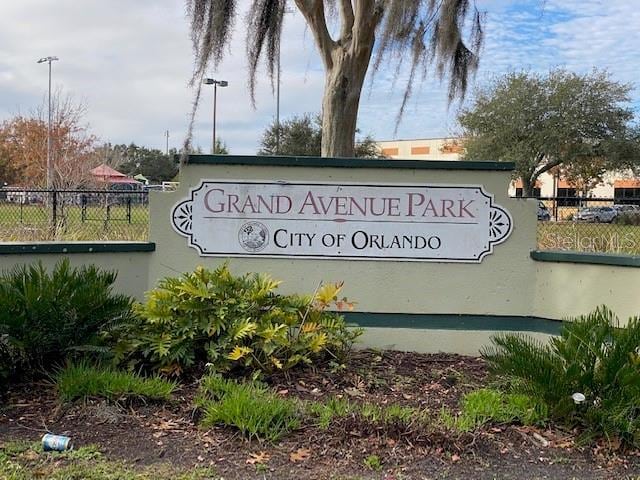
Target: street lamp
point(49, 171)
point(216, 84)
point(278, 73)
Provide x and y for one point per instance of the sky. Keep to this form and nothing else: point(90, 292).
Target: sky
point(129, 62)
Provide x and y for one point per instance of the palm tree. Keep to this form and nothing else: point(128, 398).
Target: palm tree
point(411, 33)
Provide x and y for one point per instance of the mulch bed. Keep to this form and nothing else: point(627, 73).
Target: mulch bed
point(156, 433)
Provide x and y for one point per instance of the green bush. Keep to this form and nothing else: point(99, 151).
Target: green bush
point(594, 356)
point(43, 316)
point(83, 380)
point(233, 322)
point(628, 218)
point(250, 407)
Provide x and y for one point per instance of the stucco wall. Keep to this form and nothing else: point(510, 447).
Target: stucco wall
point(132, 267)
point(568, 289)
point(508, 284)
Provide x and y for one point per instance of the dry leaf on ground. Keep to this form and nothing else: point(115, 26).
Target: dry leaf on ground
point(299, 455)
point(260, 457)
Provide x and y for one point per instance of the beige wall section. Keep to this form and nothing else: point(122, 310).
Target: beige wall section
point(132, 267)
point(497, 286)
point(568, 289)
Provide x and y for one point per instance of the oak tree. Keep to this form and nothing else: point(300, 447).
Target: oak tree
point(369, 33)
point(578, 123)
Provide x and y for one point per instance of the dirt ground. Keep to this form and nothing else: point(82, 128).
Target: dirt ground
point(145, 434)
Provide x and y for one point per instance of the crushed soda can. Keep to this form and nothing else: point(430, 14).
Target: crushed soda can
point(56, 443)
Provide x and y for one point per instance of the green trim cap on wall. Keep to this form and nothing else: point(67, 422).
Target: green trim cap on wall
point(322, 162)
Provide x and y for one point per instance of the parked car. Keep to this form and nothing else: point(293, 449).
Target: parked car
point(543, 212)
point(620, 209)
point(596, 214)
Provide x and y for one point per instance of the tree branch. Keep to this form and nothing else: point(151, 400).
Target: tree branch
point(368, 13)
point(548, 166)
point(346, 12)
point(313, 12)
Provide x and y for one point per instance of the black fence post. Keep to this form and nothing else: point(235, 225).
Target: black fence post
point(54, 208)
point(129, 210)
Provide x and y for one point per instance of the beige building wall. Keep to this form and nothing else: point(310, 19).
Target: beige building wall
point(422, 149)
point(451, 148)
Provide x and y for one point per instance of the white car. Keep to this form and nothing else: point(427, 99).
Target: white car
point(597, 214)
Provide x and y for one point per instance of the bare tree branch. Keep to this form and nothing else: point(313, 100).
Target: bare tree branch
point(313, 11)
point(346, 12)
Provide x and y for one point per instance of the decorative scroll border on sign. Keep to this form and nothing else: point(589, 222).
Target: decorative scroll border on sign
point(500, 224)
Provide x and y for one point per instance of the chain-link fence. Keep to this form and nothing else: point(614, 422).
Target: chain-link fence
point(31, 215)
point(589, 224)
point(564, 223)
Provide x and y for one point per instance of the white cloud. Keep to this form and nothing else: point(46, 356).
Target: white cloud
point(131, 62)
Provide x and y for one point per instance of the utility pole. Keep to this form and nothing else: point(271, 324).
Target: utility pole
point(166, 134)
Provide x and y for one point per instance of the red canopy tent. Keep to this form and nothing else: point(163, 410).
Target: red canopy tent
point(104, 173)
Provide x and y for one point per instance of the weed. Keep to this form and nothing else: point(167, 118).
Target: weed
point(486, 405)
point(250, 407)
point(82, 380)
point(373, 462)
point(328, 411)
point(369, 413)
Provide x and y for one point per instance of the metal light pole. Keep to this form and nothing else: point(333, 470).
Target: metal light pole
point(49, 171)
point(279, 72)
point(278, 103)
point(216, 84)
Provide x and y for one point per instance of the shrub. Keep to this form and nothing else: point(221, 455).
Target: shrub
point(594, 356)
point(250, 407)
point(233, 322)
point(44, 315)
point(628, 218)
point(82, 380)
point(487, 405)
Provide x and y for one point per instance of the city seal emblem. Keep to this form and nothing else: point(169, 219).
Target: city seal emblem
point(253, 236)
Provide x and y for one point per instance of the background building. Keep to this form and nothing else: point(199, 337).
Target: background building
point(423, 149)
point(621, 187)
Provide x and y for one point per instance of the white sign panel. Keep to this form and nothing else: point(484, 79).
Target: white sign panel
point(438, 223)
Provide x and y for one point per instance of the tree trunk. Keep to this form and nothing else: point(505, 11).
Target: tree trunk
point(528, 186)
point(346, 61)
point(343, 85)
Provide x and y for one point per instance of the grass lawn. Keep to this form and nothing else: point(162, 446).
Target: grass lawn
point(32, 222)
point(589, 237)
